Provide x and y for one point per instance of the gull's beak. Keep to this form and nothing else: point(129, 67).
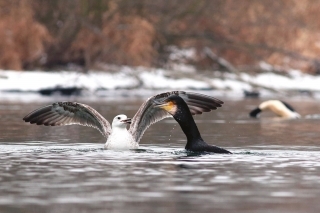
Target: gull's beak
point(127, 121)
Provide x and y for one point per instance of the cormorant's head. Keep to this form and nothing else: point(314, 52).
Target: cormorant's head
point(173, 105)
point(177, 107)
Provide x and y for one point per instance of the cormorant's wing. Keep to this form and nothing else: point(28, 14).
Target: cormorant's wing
point(67, 113)
point(148, 114)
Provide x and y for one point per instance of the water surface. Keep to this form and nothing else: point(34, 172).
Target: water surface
point(275, 166)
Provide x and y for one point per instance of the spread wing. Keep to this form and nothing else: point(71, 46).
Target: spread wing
point(148, 114)
point(68, 113)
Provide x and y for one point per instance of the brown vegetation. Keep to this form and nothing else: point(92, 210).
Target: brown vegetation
point(22, 38)
point(38, 33)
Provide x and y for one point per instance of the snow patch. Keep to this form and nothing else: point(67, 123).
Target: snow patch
point(141, 78)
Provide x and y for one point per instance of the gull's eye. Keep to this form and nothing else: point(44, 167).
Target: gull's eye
point(118, 118)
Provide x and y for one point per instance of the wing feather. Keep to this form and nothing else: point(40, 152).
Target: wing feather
point(68, 113)
point(148, 114)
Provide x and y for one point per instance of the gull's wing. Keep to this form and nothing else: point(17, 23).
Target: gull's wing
point(148, 114)
point(67, 113)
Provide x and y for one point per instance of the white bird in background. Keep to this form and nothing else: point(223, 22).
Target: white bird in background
point(118, 137)
point(280, 108)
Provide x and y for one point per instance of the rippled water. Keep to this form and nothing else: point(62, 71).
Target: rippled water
point(275, 166)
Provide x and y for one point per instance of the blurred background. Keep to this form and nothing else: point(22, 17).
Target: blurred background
point(48, 35)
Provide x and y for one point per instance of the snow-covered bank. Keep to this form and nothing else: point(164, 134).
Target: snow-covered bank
point(138, 79)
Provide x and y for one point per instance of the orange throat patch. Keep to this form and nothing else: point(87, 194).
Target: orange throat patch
point(169, 107)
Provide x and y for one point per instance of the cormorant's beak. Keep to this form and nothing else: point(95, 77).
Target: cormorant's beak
point(127, 121)
point(168, 106)
point(161, 105)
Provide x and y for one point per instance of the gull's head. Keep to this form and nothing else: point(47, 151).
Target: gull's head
point(121, 121)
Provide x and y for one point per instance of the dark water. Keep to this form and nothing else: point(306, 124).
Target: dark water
point(275, 166)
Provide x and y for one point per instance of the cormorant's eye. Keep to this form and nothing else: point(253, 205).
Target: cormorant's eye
point(118, 118)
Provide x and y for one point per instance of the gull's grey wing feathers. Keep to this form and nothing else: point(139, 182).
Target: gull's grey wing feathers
point(67, 113)
point(148, 114)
